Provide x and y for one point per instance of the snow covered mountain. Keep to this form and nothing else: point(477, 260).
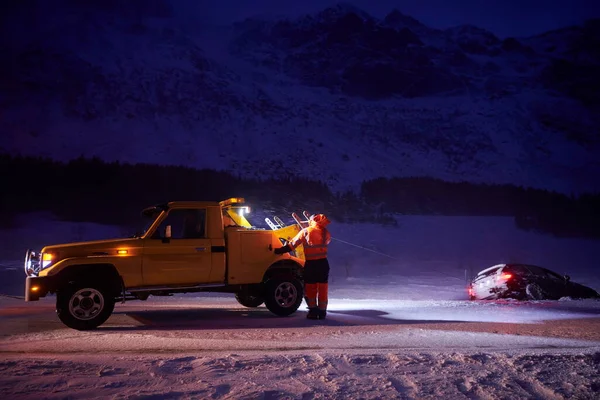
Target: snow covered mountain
point(337, 95)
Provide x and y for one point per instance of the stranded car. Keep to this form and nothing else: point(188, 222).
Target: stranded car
point(525, 282)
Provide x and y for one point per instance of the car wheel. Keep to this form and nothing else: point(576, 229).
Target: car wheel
point(84, 307)
point(283, 296)
point(248, 300)
point(535, 292)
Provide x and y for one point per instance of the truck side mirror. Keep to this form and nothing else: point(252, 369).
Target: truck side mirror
point(167, 234)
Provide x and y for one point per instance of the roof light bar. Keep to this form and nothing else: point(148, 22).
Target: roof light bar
point(231, 201)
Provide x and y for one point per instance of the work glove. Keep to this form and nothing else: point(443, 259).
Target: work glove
point(283, 250)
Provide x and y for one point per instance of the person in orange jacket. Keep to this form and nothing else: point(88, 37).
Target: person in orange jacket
point(315, 238)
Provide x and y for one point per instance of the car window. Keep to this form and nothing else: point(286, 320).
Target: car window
point(554, 275)
point(185, 224)
point(544, 273)
point(534, 270)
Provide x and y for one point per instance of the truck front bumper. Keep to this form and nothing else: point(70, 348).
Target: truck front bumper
point(37, 286)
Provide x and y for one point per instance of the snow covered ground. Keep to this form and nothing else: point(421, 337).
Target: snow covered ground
point(399, 326)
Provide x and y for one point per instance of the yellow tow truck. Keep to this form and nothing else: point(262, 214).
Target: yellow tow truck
point(186, 246)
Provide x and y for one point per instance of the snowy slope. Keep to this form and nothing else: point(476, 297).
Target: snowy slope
point(339, 95)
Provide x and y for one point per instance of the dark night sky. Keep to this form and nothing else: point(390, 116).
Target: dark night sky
point(502, 17)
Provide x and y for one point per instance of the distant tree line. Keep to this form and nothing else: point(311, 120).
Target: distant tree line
point(434, 196)
point(89, 189)
point(533, 209)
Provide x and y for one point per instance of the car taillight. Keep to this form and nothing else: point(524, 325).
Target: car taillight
point(504, 277)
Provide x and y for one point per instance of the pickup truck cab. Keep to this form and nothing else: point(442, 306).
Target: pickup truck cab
point(186, 246)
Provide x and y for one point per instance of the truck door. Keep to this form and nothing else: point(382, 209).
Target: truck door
point(185, 257)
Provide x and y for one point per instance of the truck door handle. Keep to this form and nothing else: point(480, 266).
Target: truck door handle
point(200, 248)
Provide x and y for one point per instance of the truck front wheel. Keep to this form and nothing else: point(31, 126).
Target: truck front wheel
point(84, 307)
point(283, 296)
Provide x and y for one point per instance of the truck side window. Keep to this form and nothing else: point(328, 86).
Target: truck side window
point(185, 224)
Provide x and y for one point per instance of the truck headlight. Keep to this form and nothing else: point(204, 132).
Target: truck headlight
point(47, 259)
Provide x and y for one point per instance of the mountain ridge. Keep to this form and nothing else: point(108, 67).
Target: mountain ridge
point(338, 96)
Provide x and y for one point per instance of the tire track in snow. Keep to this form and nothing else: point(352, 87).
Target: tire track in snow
point(326, 374)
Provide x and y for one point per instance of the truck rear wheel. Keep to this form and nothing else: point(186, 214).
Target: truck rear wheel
point(248, 300)
point(283, 296)
point(84, 307)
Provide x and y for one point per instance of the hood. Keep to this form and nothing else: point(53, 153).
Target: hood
point(96, 247)
point(319, 220)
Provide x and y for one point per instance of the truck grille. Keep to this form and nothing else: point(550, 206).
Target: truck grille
point(33, 263)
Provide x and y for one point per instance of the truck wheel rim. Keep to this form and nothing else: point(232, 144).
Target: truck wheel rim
point(86, 304)
point(286, 294)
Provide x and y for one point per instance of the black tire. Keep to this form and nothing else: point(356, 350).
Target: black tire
point(535, 292)
point(248, 300)
point(283, 296)
point(84, 307)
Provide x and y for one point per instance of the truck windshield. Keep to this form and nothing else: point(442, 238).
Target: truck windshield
point(147, 219)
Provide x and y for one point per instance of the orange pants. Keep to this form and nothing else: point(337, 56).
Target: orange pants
point(314, 292)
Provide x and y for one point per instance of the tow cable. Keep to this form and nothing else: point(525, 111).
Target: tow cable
point(387, 255)
point(304, 223)
point(365, 248)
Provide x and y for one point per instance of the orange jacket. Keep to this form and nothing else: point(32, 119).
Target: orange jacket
point(315, 238)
